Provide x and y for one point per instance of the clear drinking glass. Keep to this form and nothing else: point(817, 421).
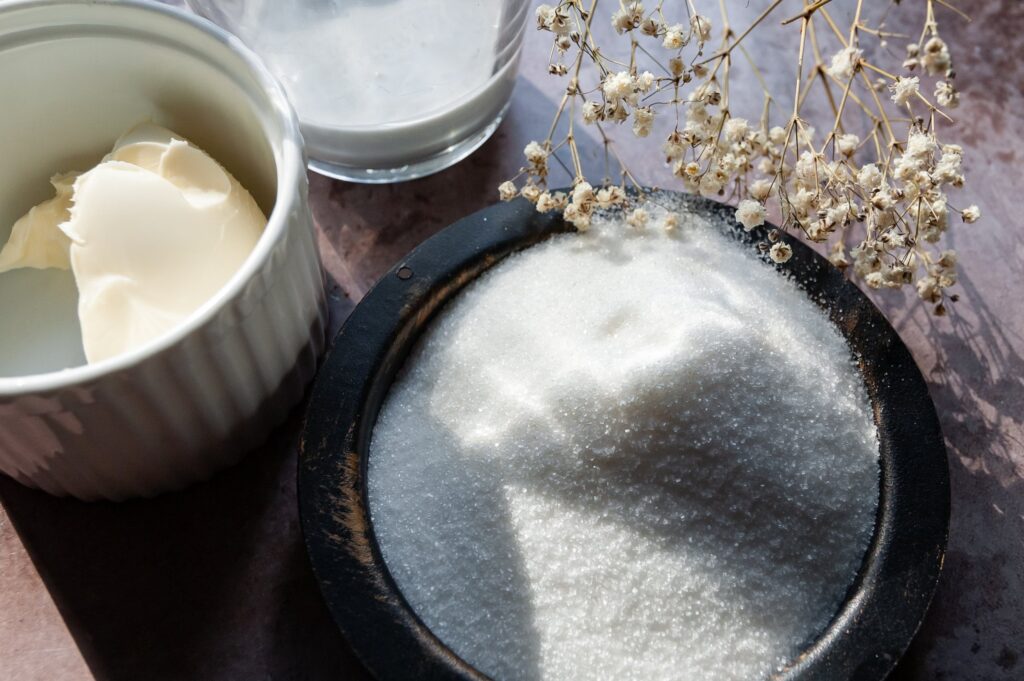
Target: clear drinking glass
point(385, 90)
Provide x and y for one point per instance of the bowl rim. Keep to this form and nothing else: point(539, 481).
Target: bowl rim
point(289, 158)
point(901, 566)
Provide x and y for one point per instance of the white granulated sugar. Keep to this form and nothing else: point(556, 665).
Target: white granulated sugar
point(627, 455)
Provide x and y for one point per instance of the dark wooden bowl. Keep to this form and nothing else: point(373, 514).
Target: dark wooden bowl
point(884, 606)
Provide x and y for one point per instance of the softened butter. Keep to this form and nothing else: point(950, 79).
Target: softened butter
point(150, 234)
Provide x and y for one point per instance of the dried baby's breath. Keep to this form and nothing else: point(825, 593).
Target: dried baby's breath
point(876, 178)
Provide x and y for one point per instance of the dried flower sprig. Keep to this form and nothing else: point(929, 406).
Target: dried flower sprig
point(877, 178)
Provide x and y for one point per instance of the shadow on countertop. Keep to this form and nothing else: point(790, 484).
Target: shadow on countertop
point(977, 382)
point(211, 582)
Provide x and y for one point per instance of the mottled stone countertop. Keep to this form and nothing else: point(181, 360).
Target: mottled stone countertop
point(213, 582)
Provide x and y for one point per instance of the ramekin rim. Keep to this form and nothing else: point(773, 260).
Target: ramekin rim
point(290, 170)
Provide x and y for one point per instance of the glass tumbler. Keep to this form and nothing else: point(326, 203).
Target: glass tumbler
point(385, 90)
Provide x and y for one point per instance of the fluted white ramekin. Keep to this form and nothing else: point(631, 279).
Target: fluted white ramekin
point(75, 75)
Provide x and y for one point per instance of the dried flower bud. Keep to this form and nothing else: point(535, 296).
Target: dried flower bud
point(691, 137)
point(616, 112)
point(553, 19)
point(537, 158)
point(781, 252)
point(611, 196)
point(583, 196)
point(674, 39)
point(670, 222)
point(750, 214)
point(643, 120)
point(818, 231)
point(547, 201)
point(903, 89)
point(637, 219)
point(628, 17)
point(617, 86)
point(593, 112)
point(837, 256)
point(847, 144)
point(673, 146)
point(946, 95)
point(936, 58)
point(621, 22)
point(650, 27)
point(578, 219)
point(701, 27)
point(507, 191)
point(545, 16)
point(898, 276)
point(760, 189)
point(971, 214)
point(845, 62)
point(735, 129)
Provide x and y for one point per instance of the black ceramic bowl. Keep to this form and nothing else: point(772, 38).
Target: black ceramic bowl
point(884, 606)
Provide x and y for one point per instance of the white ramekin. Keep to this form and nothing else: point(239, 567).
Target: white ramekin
point(75, 75)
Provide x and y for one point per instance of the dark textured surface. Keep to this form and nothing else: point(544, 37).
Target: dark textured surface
point(212, 582)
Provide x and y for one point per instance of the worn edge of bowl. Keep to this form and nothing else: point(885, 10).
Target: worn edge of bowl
point(867, 635)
